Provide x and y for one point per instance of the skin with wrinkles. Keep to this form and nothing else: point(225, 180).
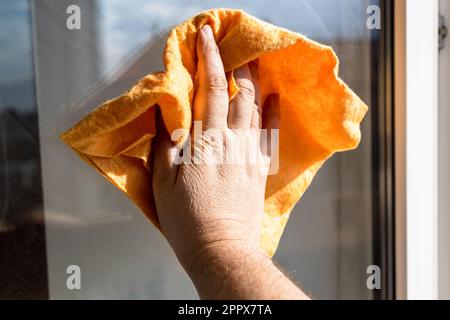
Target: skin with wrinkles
point(211, 214)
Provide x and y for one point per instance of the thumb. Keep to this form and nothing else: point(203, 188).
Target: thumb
point(165, 153)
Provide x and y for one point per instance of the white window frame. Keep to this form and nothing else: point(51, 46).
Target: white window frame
point(421, 253)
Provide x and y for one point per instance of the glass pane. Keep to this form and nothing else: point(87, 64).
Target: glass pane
point(23, 271)
point(329, 240)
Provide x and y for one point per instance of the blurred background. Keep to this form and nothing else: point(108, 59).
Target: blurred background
point(56, 211)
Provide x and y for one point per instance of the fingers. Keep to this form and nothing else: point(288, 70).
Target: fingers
point(243, 105)
point(211, 101)
point(256, 116)
point(165, 151)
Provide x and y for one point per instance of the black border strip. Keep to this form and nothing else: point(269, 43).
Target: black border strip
point(383, 160)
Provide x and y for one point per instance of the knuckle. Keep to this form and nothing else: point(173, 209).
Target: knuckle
point(216, 84)
point(211, 48)
point(246, 87)
point(247, 91)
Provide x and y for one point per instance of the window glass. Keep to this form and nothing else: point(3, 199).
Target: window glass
point(329, 241)
point(22, 245)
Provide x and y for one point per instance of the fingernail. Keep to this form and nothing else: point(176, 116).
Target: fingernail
point(208, 31)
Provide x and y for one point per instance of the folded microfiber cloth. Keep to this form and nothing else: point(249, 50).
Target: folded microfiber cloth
point(319, 114)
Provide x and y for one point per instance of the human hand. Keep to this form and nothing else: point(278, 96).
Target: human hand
point(209, 205)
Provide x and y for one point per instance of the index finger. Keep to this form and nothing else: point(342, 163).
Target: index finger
point(211, 101)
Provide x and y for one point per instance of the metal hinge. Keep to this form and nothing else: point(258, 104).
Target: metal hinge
point(443, 32)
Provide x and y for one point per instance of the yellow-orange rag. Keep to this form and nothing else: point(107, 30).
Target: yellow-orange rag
point(319, 114)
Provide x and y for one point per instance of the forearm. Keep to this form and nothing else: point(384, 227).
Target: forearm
point(236, 271)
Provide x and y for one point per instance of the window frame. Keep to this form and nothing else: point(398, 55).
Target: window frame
point(419, 183)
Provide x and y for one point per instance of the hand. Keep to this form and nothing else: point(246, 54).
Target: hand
point(205, 203)
point(210, 210)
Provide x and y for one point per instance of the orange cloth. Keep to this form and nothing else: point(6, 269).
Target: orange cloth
point(319, 114)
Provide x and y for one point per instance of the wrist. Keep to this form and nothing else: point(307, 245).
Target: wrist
point(224, 254)
point(231, 270)
point(213, 240)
